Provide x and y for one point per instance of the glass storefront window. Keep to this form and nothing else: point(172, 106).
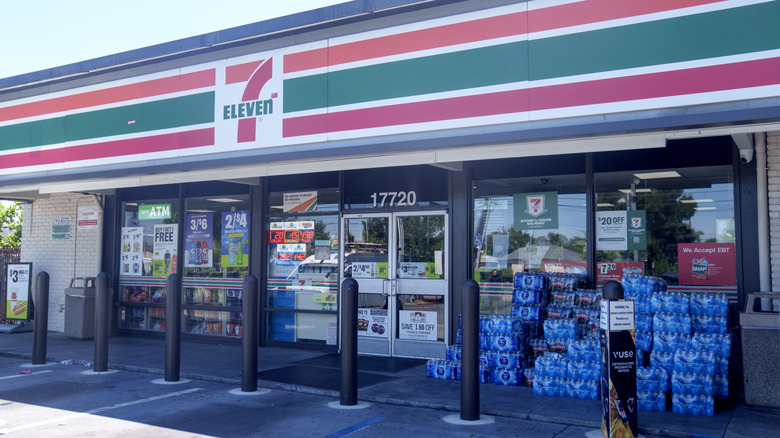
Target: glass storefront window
point(303, 278)
point(668, 223)
point(420, 245)
point(526, 224)
point(216, 250)
point(148, 254)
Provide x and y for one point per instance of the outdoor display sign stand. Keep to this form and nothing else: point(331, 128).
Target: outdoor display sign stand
point(18, 299)
point(618, 364)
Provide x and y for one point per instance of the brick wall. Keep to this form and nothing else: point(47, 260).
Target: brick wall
point(773, 183)
point(78, 256)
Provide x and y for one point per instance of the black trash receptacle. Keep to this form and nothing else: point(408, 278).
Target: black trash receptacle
point(80, 308)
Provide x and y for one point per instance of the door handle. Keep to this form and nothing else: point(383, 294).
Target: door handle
point(391, 291)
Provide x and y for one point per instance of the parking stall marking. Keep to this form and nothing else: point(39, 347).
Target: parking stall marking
point(24, 374)
point(98, 410)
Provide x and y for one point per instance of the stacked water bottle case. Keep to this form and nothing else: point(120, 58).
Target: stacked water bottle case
point(502, 345)
point(687, 340)
point(565, 353)
point(550, 342)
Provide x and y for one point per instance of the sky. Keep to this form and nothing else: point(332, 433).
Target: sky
point(40, 34)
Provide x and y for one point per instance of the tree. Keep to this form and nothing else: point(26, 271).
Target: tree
point(11, 216)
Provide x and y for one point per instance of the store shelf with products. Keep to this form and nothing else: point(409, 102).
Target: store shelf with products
point(213, 306)
point(213, 323)
point(141, 303)
point(132, 317)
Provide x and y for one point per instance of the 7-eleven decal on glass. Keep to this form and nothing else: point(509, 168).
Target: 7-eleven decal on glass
point(536, 211)
point(248, 104)
point(637, 230)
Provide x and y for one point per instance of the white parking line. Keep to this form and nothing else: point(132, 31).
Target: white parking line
point(97, 410)
point(25, 374)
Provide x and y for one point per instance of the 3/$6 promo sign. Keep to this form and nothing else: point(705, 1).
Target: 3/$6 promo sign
point(17, 281)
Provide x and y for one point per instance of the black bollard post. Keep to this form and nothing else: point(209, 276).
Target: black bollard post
point(349, 308)
point(102, 322)
point(173, 328)
point(41, 326)
point(249, 335)
point(469, 381)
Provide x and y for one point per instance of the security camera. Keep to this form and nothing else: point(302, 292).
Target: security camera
point(545, 180)
point(746, 155)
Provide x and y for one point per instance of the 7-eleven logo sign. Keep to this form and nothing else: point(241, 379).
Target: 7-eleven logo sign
point(535, 205)
point(254, 75)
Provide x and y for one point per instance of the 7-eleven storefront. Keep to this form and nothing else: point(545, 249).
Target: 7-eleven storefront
point(404, 149)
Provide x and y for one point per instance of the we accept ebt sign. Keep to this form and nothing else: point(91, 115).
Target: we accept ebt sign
point(707, 264)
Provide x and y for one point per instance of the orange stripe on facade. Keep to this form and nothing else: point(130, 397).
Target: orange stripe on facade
point(519, 23)
point(154, 87)
point(241, 72)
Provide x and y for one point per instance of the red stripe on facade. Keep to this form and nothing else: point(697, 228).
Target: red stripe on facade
point(306, 125)
point(594, 11)
point(418, 112)
point(624, 89)
point(133, 146)
point(154, 87)
point(557, 17)
point(663, 84)
point(241, 72)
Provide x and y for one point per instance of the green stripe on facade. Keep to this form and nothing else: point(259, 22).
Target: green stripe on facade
point(480, 67)
point(719, 33)
point(162, 114)
point(709, 35)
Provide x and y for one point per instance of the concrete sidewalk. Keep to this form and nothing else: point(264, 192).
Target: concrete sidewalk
point(405, 386)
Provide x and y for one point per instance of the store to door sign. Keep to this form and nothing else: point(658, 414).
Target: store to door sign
point(536, 211)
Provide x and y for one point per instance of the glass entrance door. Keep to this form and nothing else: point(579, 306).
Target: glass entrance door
point(399, 261)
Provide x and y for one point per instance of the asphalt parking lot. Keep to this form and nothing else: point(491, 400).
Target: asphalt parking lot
point(72, 400)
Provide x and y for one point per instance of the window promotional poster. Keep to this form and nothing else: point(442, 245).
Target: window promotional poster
point(235, 239)
point(166, 238)
point(198, 240)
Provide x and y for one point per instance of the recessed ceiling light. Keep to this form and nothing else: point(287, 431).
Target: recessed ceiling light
point(657, 175)
point(696, 201)
point(223, 200)
point(704, 208)
point(635, 190)
point(604, 204)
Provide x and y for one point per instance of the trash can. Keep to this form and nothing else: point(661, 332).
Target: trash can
point(760, 332)
point(80, 308)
